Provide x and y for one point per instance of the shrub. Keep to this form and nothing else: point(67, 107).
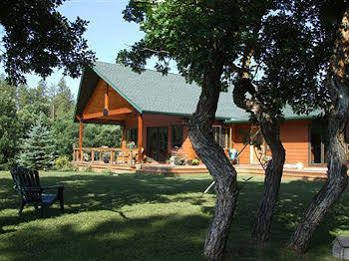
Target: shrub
point(63, 163)
point(179, 161)
point(195, 162)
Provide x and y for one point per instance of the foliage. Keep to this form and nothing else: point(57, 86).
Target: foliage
point(179, 160)
point(195, 162)
point(289, 50)
point(38, 148)
point(38, 38)
point(63, 163)
point(22, 107)
point(31, 102)
point(193, 34)
point(9, 125)
point(62, 100)
point(102, 135)
point(65, 133)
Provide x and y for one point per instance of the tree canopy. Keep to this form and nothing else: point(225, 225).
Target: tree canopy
point(37, 38)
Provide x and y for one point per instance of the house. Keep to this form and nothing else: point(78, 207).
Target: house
point(153, 111)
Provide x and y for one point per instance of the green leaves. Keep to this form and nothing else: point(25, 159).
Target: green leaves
point(193, 33)
point(37, 38)
point(9, 126)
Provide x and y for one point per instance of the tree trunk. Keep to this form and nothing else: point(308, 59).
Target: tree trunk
point(213, 156)
point(273, 174)
point(337, 172)
point(337, 178)
point(271, 133)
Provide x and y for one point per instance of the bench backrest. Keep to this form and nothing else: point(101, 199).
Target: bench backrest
point(27, 183)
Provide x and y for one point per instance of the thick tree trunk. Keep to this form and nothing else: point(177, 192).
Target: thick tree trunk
point(337, 178)
point(273, 174)
point(337, 172)
point(213, 156)
point(271, 133)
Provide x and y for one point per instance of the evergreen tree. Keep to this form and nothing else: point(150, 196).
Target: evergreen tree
point(65, 133)
point(31, 102)
point(62, 100)
point(38, 147)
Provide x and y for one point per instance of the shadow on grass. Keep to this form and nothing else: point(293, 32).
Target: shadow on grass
point(180, 237)
point(95, 192)
point(152, 238)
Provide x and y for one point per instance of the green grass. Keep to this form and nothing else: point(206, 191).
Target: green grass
point(151, 217)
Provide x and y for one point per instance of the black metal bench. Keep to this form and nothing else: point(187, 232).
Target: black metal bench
point(27, 184)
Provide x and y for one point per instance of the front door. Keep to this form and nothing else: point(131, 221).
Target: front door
point(157, 138)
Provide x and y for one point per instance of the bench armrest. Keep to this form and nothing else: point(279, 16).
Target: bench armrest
point(32, 189)
point(60, 186)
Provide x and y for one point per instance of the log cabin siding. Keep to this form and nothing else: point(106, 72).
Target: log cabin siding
point(96, 101)
point(294, 134)
point(295, 138)
point(239, 132)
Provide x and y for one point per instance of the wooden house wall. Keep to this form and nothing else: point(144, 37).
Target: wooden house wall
point(294, 136)
point(96, 102)
point(239, 134)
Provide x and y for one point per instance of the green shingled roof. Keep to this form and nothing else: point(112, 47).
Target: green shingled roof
point(151, 92)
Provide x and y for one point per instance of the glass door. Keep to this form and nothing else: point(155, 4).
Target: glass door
point(157, 140)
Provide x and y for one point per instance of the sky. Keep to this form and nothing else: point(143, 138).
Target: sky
point(107, 33)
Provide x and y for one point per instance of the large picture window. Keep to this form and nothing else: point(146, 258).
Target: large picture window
point(177, 136)
point(318, 144)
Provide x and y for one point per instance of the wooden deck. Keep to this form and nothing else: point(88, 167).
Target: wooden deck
point(166, 169)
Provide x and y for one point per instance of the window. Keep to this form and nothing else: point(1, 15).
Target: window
point(318, 144)
point(177, 136)
point(132, 135)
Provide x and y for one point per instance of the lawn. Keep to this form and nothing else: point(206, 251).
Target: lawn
point(152, 217)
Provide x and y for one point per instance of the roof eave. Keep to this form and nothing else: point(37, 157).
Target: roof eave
point(292, 118)
point(110, 83)
point(79, 92)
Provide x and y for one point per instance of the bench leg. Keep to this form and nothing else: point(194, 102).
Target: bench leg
point(61, 199)
point(41, 211)
point(61, 202)
point(21, 207)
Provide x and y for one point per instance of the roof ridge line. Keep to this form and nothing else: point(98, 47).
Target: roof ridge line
point(151, 70)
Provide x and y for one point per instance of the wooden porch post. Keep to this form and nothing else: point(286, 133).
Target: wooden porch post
point(230, 137)
point(81, 134)
point(169, 140)
point(123, 138)
point(140, 139)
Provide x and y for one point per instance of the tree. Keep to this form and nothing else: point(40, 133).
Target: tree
point(332, 19)
point(62, 100)
point(31, 102)
point(102, 135)
point(38, 38)
point(38, 147)
point(204, 38)
point(65, 133)
point(279, 48)
point(9, 127)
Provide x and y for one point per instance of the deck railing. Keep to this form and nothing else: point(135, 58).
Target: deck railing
point(105, 155)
